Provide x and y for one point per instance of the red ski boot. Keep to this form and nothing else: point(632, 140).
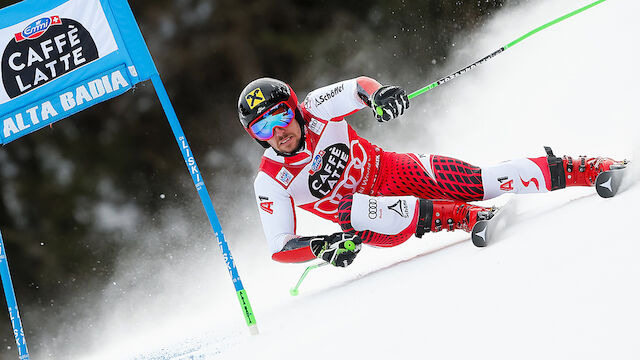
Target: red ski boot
point(566, 171)
point(588, 169)
point(450, 215)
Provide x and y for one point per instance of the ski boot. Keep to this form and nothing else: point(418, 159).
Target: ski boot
point(436, 215)
point(582, 171)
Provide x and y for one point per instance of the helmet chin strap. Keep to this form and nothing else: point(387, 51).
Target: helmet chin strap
point(300, 146)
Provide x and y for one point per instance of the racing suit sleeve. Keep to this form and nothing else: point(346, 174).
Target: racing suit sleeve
point(278, 217)
point(341, 99)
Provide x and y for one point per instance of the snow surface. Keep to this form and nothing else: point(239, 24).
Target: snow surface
point(561, 282)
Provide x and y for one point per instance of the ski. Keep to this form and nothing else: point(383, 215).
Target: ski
point(485, 230)
point(481, 231)
point(608, 182)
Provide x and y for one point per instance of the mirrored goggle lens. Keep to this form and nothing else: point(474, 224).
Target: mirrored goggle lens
point(280, 116)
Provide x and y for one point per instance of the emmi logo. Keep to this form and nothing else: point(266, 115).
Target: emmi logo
point(37, 28)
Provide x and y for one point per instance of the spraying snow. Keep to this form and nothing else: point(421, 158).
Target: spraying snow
point(559, 284)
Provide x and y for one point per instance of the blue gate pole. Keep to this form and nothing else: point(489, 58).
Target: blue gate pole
point(206, 200)
point(12, 304)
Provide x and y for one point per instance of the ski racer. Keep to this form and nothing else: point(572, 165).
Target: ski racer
point(314, 160)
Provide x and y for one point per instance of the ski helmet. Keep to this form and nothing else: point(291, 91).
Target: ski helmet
point(261, 95)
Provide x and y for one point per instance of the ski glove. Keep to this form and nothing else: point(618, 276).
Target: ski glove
point(389, 102)
point(337, 249)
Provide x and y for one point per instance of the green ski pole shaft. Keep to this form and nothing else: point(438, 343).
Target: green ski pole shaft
point(495, 53)
point(294, 290)
point(348, 246)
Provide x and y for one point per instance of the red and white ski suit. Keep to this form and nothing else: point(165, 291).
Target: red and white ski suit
point(342, 177)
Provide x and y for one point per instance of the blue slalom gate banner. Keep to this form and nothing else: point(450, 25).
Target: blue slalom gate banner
point(60, 57)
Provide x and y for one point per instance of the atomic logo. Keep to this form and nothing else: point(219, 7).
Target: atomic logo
point(607, 185)
point(37, 28)
point(400, 208)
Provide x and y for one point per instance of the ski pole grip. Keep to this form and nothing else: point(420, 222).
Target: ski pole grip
point(349, 245)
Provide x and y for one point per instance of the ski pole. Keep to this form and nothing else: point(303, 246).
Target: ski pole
point(495, 53)
point(294, 290)
point(348, 246)
point(12, 304)
point(206, 201)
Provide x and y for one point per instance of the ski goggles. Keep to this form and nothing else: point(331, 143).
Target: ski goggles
point(280, 115)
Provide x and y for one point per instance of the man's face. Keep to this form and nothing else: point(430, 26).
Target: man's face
point(287, 139)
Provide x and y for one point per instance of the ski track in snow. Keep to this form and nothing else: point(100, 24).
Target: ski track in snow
point(561, 282)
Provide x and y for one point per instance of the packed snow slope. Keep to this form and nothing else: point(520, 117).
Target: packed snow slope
point(561, 282)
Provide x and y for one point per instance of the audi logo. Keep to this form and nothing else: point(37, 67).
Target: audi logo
point(373, 208)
